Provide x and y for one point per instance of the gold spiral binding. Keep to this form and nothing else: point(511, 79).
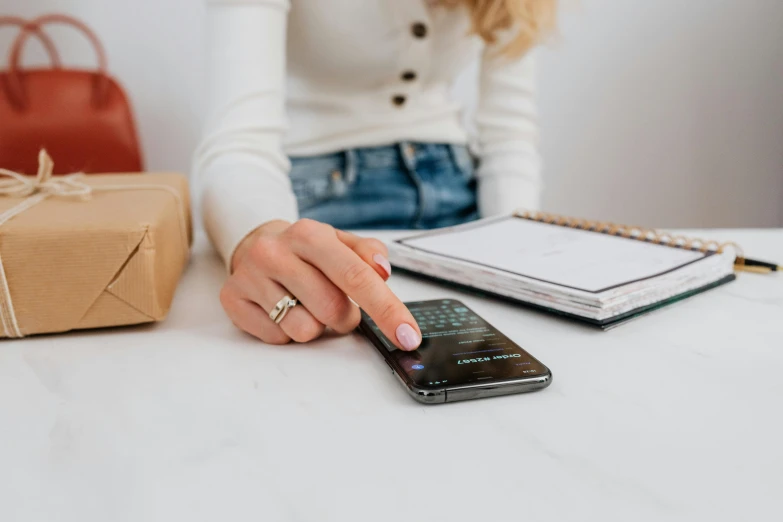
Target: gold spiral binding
point(648, 235)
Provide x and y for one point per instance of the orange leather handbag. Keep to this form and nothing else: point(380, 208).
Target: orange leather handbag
point(82, 118)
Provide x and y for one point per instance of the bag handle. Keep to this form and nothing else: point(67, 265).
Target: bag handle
point(15, 86)
point(51, 50)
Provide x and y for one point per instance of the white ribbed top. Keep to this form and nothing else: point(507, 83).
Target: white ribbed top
point(305, 77)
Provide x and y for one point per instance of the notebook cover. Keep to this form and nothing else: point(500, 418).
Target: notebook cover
point(604, 324)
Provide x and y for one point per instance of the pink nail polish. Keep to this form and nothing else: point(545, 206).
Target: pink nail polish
point(383, 263)
point(408, 337)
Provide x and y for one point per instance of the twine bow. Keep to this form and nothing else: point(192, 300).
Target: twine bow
point(44, 185)
point(21, 186)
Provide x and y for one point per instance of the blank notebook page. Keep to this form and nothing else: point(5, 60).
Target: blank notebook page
point(578, 259)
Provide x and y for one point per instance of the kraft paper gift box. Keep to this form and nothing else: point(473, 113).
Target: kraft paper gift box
point(89, 251)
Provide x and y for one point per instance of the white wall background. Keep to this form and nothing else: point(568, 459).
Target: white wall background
point(667, 112)
point(657, 112)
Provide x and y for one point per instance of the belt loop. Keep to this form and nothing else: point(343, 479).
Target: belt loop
point(408, 152)
point(351, 167)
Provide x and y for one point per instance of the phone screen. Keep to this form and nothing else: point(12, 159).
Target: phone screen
point(458, 347)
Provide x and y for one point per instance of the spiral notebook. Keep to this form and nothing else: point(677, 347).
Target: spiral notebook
point(598, 273)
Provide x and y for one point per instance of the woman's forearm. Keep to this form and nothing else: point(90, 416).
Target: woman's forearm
point(240, 168)
point(509, 172)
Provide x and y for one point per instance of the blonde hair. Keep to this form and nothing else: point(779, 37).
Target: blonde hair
point(529, 21)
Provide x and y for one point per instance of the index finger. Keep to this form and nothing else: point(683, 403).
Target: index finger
point(372, 251)
point(363, 284)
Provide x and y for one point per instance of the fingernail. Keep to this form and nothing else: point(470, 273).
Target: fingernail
point(383, 263)
point(408, 337)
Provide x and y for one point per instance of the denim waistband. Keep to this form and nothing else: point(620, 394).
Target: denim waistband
point(385, 156)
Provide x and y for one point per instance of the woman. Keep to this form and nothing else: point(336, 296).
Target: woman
point(338, 111)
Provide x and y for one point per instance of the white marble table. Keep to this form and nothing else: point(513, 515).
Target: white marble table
point(676, 416)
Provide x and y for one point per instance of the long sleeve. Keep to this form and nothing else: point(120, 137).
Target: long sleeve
point(509, 172)
point(241, 171)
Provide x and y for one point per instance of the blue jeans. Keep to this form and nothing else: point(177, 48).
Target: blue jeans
point(402, 186)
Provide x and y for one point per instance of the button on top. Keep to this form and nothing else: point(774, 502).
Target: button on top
point(419, 30)
point(398, 100)
point(408, 76)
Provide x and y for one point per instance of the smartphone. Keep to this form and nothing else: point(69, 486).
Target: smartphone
point(461, 356)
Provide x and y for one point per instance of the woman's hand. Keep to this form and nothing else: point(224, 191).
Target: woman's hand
point(322, 267)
